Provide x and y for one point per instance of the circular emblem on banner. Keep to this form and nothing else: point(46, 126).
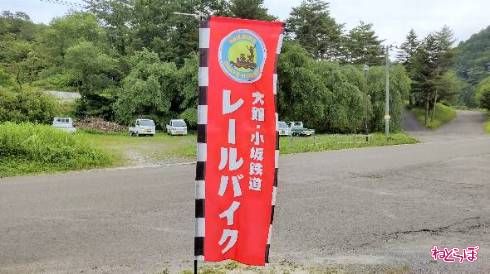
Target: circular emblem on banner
point(242, 55)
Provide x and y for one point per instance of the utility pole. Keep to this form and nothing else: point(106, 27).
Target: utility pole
point(387, 93)
point(366, 127)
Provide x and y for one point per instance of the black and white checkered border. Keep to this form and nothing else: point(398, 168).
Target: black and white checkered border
point(202, 121)
point(276, 160)
point(202, 109)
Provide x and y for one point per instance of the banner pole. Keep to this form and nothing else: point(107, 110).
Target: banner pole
point(199, 227)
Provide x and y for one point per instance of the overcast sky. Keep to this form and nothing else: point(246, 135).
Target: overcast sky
point(392, 19)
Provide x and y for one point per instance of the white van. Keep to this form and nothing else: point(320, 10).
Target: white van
point(64, 123)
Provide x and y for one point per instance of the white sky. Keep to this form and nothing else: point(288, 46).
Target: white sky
point(392, 19)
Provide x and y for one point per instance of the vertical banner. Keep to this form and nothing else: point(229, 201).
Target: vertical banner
point(238, 149)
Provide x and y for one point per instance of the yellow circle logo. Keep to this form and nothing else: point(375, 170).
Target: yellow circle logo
point(242, 56)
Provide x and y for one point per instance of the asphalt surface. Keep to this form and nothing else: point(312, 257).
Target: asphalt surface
point(410, 122)
point(367, 208)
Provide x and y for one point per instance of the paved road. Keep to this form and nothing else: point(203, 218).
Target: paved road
point(410, 122)
point(366, 208)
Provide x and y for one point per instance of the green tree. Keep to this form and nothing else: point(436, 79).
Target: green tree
point(19, 25)
point(346, 110)
point(445, 51)
point(473, 58)
point(483, 93)
point(18, 53)
point(94, 75)
point(14, 57)
point(92, 69)
point(423, 89)
point(363, 46)
point(173, 37)
point(68, 31)
point(431, 81)
point(399, 90)
point(250, 9)
point(149, 89)
point(115, 17)
point(316, 30)
point(303, 95)
point(473, 64)
point(187, 95)
point(448, 86)
point(408, 50)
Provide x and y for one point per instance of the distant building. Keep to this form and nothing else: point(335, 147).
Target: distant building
point(488, 67)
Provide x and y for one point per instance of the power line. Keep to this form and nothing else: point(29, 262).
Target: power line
point(65, 3)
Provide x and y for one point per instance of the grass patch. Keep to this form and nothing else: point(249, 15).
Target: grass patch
point(165, 148)
point(316, 143)
point(161, 147)
point(443, 114)
point(28, 148)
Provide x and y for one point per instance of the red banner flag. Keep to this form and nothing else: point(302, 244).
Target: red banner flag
point(236, 173)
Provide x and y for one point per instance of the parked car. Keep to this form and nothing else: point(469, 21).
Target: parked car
point(284, 129)
point(142, 127)
point(64, 123)
point(297, 129)
point(177, 127)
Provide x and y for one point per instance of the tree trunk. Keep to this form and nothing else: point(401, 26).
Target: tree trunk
point(434, 107)
point(17, 77)
point(427, 110)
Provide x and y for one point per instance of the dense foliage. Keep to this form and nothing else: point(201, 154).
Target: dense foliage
point(27, 106)
point(316, 30)
point(483, 93)
point(137, 58)
point(26, 148)
point(473, 64)
point(441, 115)
point(429, 62)
point(337, 98)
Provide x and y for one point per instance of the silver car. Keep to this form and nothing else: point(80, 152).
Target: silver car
point(177, 127)
point(142, 127)
point(284, 129)
point(64, 123)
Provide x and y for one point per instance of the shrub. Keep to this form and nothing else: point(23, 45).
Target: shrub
point(5, 78)
point(334, 98)
point(190, 117)
point(27, 148)
point(95, 105)
point(485, 99)
point(443, 114)
point(482, 93)
point(56, 81)
point(27, 106)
